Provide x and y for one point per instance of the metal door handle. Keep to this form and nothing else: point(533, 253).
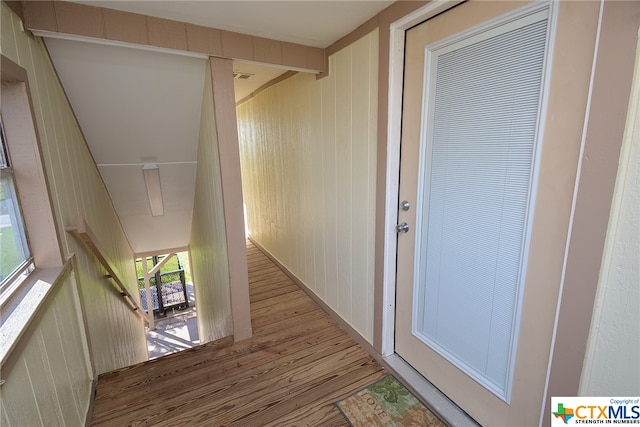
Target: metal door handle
point(403, 227)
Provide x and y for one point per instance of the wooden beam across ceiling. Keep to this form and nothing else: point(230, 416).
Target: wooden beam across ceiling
point(66, 18)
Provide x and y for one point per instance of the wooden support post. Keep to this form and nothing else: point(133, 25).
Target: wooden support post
point(147, 287)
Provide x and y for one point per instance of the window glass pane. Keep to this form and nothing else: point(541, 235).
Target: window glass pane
point(14, 250)
point(3, 150)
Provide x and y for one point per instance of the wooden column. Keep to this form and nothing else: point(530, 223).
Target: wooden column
point(229, 153)
point(147, 287)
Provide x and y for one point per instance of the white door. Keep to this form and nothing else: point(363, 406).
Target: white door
point(471, 133)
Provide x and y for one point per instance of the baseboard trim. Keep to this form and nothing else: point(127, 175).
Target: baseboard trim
point(323, 305)
point(433, 398)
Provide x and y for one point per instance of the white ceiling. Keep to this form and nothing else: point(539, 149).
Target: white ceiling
point(138, 106)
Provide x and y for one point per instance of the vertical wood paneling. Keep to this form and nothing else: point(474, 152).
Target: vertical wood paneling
point(9, 48)
point(329, 196)
point(49, 378)
point(308, 150)
point(372, 189)
point(316, 193)
point(73, 351)
point(37, 360)
point(5, 421)
point(361, 89)
point(19, 400)
point(344, 147)
point(209, 257)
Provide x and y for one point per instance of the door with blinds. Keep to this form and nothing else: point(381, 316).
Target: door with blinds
point(472, 105)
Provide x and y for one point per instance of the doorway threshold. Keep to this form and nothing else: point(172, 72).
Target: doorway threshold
point(435, 400)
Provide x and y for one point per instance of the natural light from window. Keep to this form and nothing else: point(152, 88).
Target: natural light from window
point(15, 256)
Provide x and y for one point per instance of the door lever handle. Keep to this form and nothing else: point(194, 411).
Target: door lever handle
point(403, 227)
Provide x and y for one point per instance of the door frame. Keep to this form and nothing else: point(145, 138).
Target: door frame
point(593, 187)
point(394, 126)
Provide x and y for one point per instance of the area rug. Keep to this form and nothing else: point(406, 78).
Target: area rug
point(386, 403)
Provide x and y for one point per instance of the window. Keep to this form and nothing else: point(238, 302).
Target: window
point(16, 261)
point(28, 237)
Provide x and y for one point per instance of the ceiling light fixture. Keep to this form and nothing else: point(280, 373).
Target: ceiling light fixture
point(154, 191)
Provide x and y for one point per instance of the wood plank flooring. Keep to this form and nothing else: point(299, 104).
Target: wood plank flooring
point(296, 365)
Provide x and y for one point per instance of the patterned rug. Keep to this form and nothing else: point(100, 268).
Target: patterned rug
point(386, 403)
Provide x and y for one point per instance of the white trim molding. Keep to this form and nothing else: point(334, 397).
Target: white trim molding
point(394, 125)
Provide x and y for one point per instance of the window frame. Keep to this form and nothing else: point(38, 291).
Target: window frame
point(10, 283)
point(21, 302)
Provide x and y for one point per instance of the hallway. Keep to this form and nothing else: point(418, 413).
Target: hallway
point(296, 365)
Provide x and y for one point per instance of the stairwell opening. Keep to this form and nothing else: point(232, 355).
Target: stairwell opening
point(172, 297)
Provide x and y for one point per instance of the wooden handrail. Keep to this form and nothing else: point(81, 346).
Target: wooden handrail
point(82, 231)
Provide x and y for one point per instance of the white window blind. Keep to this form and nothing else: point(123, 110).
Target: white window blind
point(484, 95)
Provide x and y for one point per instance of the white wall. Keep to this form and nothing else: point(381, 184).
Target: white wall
point(612, 362)
point(209, 256)
point(49, 377)
point(308, 154)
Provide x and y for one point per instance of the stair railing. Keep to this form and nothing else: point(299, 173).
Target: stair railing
point(82, 231)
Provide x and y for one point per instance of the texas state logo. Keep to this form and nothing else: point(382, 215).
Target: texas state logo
point(594, 410)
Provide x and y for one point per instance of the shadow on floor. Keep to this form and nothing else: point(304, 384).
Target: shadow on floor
point(178, 331)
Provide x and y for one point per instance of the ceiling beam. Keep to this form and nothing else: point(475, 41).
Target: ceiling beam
point(66, 19)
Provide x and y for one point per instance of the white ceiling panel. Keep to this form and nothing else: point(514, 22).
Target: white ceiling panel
point(128, 192)
point(145, 232)
point(133, 105)
point(151, 234)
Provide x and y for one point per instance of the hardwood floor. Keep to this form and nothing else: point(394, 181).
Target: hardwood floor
point(298, 363)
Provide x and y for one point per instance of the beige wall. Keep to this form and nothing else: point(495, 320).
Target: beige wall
point(308, 153)
point(116, 334)
point(48, 376)
point(209, 256)
point(612, 362)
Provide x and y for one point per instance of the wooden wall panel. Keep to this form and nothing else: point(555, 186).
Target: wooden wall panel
point(308, 150)
point(126, 27)
point(344, 147)
point(167, 33)
point(330, 184)
point(58, 343)
point(204, 39)
point(78, 190)
point(48, 380)
point(77, 19)
point(232, 200)
point(267, 50)
point(209, 256)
